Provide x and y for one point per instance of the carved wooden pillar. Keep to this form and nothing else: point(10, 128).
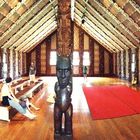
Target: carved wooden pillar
point(111, 64)
point(101, 61)
point(91, 54)
point(19, 63)
point(124, 64)
point(63, 110)
point(38, 60)
point(65, 28)
point(129, 65)
point(81, 49)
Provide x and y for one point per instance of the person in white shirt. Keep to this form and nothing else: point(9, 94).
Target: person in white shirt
point(8, 98)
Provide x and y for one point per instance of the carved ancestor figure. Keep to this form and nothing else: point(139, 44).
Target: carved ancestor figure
point(63, 108)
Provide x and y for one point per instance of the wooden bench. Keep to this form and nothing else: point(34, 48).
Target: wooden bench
point(27, 92)
point(20, 84)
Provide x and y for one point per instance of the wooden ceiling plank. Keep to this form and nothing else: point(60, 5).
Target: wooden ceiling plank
point(20, 22)
point(30, 32)
point(16, 39)
point(100, 31)
point(105, 30)
point(113, 20)
point(41, 29)
point(5, 9)
point(109, 26)
point(30, 28)
point(92, 31)
point(35, 38)
point(39, 39)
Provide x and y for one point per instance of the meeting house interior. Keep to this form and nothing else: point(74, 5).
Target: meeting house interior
point(69, 69)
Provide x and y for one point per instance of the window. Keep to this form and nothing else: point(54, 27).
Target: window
point(76, 59)
point(53, 58)
point(86, 59)
point(133, 64)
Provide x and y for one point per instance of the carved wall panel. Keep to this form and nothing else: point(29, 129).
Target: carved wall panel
point(124, 64)
point(81, 49)
point(86, 42)
point(91, 51)
point(43, 58)
point(11, 64)
point(101, 61)
point(48, 49)
point(96, 58)
point(14, 64)
point(127, 63)
point(76, 38)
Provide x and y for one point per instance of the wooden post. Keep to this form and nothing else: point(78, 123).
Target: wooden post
point(38, 60)
point(64, 29)
point(63, 109)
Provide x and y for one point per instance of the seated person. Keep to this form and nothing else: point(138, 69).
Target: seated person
point(8, 98)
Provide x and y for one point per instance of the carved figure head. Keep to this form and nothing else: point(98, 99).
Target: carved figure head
point(63, 73)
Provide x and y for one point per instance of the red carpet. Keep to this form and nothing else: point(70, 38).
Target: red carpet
point(112, 101)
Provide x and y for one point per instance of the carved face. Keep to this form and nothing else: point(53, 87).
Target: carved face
point(63, 71)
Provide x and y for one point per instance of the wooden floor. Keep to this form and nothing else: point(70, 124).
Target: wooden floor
point(84, 128)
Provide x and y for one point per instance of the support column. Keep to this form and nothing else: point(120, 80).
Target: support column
point(63, 109)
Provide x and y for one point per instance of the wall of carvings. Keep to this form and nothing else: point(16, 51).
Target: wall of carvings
point(11, 63)
point(82, 42)
point(128, 65)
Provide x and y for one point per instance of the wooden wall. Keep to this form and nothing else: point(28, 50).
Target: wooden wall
point(124, 62)
point(103, 63)
point(82, 42)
